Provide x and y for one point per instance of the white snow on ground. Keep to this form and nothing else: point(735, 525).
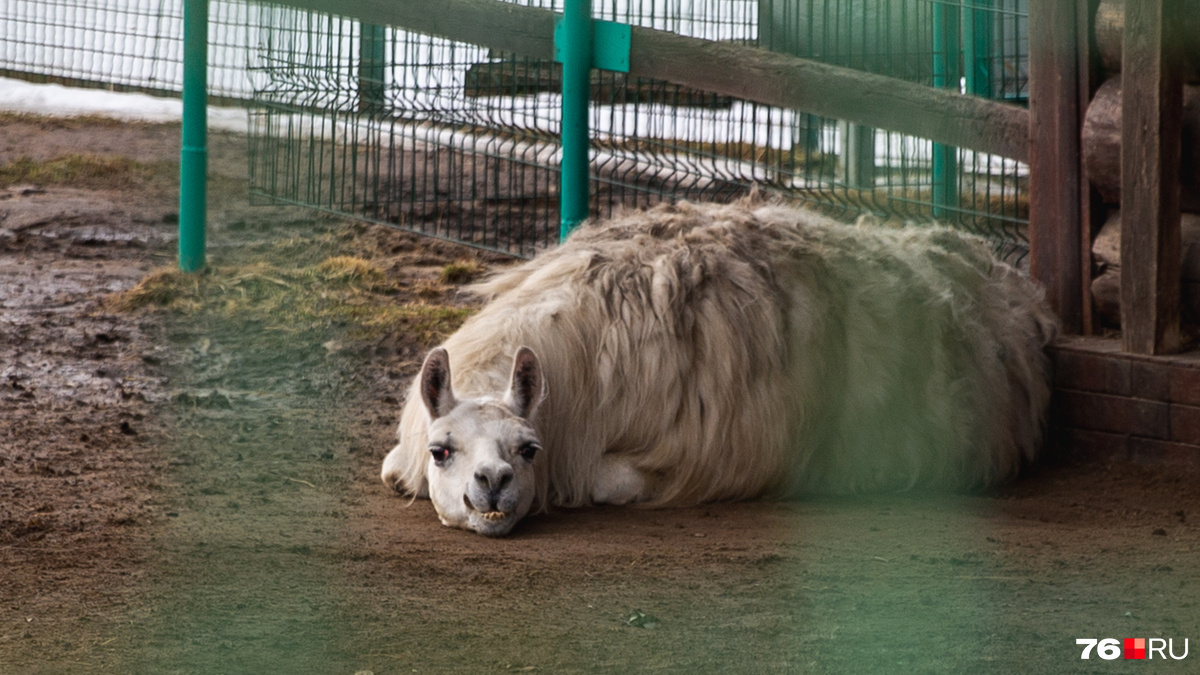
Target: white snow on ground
point(54, 99)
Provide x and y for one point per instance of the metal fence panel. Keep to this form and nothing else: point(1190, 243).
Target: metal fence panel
point(461, 142)
point(122, 45)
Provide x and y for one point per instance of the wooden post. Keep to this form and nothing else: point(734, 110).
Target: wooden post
point(1091, 209)
point(1151, 123)
point(1054, 158)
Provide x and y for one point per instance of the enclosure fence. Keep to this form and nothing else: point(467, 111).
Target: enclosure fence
point(122, 45)
point(459, 141)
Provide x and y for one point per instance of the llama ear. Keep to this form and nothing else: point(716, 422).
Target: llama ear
point(435, 384)
point(528, 387)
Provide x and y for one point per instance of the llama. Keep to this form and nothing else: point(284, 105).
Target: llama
point(693, 353)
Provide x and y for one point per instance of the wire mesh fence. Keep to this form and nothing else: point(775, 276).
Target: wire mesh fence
point(121, 45)
point(459, 141)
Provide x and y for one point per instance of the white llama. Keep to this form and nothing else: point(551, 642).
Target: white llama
point(714, 352)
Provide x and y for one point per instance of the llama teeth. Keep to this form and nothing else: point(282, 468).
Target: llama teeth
point(494, 515)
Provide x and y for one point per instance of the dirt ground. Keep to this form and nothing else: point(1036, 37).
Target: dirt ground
point(188, 481)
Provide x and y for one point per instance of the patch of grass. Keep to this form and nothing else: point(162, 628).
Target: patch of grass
point(429, 324)
point(351, 270)
point(81, 170)
point(72, 122)
point(341, 293)
point(307, 249)
point(461, 271)
point(166, 288)
point(430, 290)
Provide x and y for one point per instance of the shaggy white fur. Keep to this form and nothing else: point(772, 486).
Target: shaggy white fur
point(716, 352)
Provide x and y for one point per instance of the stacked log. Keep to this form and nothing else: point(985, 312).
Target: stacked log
point(1101, 143)
point(1110, 35)
point(1106, 277)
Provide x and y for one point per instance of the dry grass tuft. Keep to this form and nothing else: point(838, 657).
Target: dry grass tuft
point(461, 271)
point(81, 170)
point(429, 290)
point(351, 270)
point(342, 294)
point(166, 288)
point(74, 121)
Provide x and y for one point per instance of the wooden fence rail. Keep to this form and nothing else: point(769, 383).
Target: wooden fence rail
point(724, 68)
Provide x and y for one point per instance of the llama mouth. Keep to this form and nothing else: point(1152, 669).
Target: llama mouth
point(486, 515)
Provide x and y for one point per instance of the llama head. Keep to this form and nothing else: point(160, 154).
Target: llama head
point(482, 451)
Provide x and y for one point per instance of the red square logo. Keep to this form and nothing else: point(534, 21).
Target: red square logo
point(1135, 648)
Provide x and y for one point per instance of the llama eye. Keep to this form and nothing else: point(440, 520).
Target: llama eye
point(440, 453)
point(529, 450)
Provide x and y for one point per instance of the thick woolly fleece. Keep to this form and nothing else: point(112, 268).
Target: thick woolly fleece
point(745, 350)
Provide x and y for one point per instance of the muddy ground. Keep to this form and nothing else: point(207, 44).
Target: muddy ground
point(188, 481)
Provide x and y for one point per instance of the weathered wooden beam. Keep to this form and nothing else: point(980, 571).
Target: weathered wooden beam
point(1054, 159)
point(1152, 104)
point(724, 68)
point(499, 25)
point(832, 91)
point(527, 78)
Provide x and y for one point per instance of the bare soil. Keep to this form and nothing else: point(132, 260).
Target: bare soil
point(188, 482)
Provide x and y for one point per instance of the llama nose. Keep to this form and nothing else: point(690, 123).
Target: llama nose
point(494, 478)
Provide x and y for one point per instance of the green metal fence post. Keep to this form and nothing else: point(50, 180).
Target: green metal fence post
point(977, 47)
point(372, 68)
point(576, 52)
point(946, 74)
point(193, 161)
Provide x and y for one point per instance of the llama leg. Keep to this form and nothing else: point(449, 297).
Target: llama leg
point(619, 482)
